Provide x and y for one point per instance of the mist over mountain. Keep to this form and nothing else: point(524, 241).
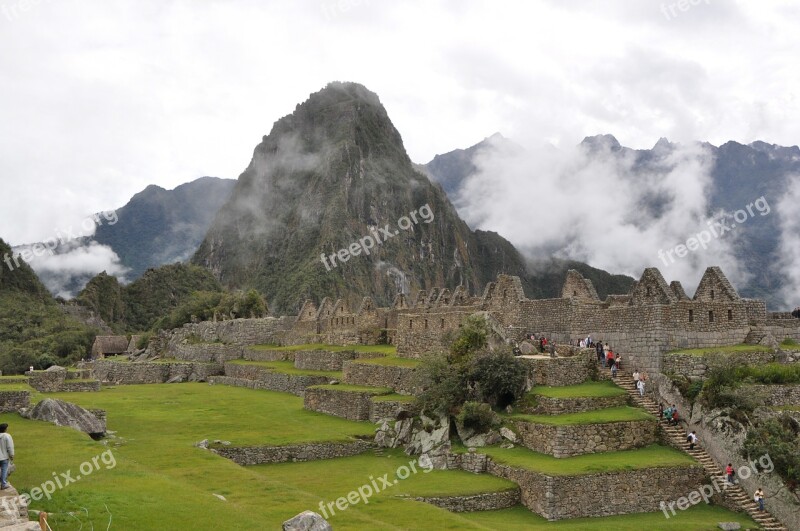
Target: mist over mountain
point(330, 174)
point(154, 228)
point(622, 209)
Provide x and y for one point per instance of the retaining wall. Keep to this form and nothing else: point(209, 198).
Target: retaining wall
point(259, 455)
point(123, 373)
point(401, 379)
point(578, 439)
point(489, 501)
point(555, 406)
point(13, 401)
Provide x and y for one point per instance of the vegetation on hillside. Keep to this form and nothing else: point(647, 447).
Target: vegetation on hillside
point(34, 331)
point(214, 305)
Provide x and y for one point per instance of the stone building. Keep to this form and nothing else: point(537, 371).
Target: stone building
point(109, 346)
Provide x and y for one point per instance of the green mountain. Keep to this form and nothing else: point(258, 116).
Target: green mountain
point(137, 306)
point(325, 208)
point(159, 226)
point(34, 329)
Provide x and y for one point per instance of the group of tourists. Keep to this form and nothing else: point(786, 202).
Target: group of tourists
point(670, 414)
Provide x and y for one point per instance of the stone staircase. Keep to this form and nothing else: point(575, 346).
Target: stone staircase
point(676, 437)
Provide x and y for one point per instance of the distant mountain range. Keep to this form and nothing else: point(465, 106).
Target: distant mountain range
point(740, 174)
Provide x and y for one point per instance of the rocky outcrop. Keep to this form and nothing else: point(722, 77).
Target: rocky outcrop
point(307, 521)
point(63, 413)
point(429, 438)
point(14, 512)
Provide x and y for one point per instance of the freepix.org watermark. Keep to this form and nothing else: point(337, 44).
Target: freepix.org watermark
point(668, 10)
point(378, 236)
point(716, 228)
point(61, 480)
point(363, 493)
point(764, 464)
point(50, 245)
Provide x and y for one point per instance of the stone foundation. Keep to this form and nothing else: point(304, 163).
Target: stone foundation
point(204, 352)
point(696, 366)
point(390, 409)
point(323, 360)
point(777, 395)
point(603, 494)
point(490, 501)
point(266, 378)
point(259, 455)
point(558, 372)
point(578, 439)
point(401, 379)
point(13, 401)
point(124, 373)
point(268, 355)
point(79, 386)
point(351, 405)
point(557, 406)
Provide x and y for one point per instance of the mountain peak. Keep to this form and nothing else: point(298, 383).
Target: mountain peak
point(601, 143)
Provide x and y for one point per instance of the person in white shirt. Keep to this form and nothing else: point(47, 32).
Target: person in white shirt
point(6, 455)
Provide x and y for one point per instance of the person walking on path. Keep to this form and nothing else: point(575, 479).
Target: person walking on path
point(729, 472)
point(613, 370)
point(759, 499)
point(6, 455)
point(692, 440)
point(640, 387)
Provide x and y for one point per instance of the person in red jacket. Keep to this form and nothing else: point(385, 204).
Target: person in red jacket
point(729, 473)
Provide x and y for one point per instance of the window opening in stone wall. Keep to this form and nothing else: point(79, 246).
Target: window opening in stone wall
point(730, 315)
point(691, 316)
point(712, 294)
point(710, 316)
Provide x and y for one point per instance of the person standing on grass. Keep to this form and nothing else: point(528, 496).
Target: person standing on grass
point(759, 498)
point(6, 455)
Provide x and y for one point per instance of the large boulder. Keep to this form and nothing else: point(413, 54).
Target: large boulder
point(307, 521)
point(63, 413)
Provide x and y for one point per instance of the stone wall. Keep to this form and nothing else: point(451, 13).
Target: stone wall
point(602, 494)
point(578, 439)
point(80, 386)
point(13, 401)
point(122, 373)
point(777, 395)
point(390, 409)
point(695, 366)
point(352, 405)
point(323, 360)
point(489, 501)
point(556, 406)
point(295, 384)
point(563, 371)
point(251, 354)
point(259, 455)
point(401, 379)
point(267, 330)
point(47, 381)
point(204, 352)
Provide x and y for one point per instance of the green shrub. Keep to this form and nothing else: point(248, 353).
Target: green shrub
point(499, 378)
point(477, 417)
point(472, 337)
point(444, 385)
point(779, 438)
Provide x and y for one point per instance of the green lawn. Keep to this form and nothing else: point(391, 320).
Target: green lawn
point(157, 479)
point(287, 367)
point(381, 349)
point(729, 349)
point(611, 414)
point(391, 361)
point(16, 387)
point(647, 457)
point(347, 388)
point(588, 389)
point(789, 342)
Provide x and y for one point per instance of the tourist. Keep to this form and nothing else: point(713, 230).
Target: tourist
point(675, 417)
point(660, 410)
point(618, 362)
point(613, 370)
point(759, 498)
point(692, 440)
point(552, 349)
point(729, 472)
point(600, 356)
point(6, 455)
point(542, 344)
point(640, 387)
point(668, 414)
point(610, 357)
point(636, 380)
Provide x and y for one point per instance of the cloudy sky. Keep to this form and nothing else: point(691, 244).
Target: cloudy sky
point(101, 98)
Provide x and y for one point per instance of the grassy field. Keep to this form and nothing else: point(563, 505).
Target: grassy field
point(588, 389)
point(730, 349)
point(381, 349)
point(649, 456)
point(393, 397)
point(611, 414)
point(287, 367)
point(156, 479)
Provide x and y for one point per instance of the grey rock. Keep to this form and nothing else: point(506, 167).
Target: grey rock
point(202, 444)
point(176, 379)
point(307, 521)
point(508, 434)
point(729, 526)
point(63, 413)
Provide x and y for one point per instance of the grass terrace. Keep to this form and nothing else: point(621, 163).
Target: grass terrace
point(653, 456)
point(287, 367)
point(743, 347)
point(790, 343)
point(598, 416)
point(347, 388)
point(391, 361)
point(380, 349)
point(588, 389)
